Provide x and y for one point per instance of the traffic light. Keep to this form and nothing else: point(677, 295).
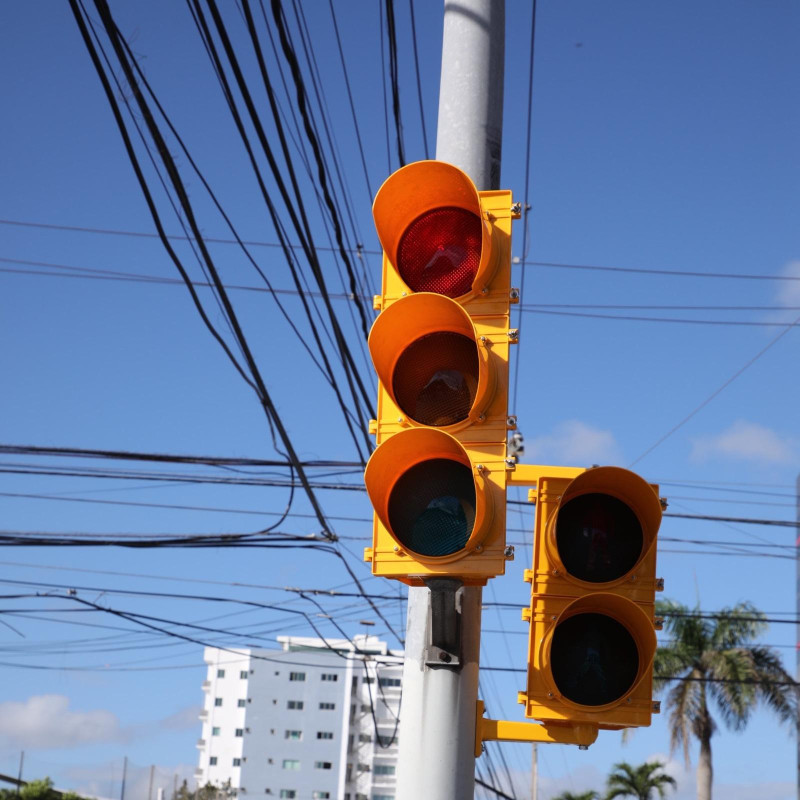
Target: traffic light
point(592, 625)
point(440, 347)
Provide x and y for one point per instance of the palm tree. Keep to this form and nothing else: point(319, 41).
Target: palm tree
point(713, 659)
point(640, 782)
point(590, 794)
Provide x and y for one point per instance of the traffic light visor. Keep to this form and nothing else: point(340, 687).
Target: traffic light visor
point(607, 521)
point(423, 488)
point(431, 227)
point(601, 647)
point(426, 352)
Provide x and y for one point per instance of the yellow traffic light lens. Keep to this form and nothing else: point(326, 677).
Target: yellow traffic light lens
point(440, 251)
point(599, 538)
point(436, 377)
point(431, 507)
point(594, 659)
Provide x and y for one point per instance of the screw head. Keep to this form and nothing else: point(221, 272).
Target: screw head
point(396, 549)
point(446, 657)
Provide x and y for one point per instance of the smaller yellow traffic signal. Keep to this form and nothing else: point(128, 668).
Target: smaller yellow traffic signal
point(592, 626)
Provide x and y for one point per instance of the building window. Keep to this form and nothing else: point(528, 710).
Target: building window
point(363, 767)
point(243, 674)
point(288, 793)
point(212, 762)
point(324, 734)
point(239, 732)
point(383, 797)
point(327, 706)
point(297, 676)
point(320, 795)
point(291, 763)
point(389, 682)
point(383, 769)
point(330, 676)
point(215, 731)
point(364, 738)
point(220, 673)
point(293, 735)
point(369, 679)
point(297, 705)
point(241, 703)
point(323, 765)
point(217, 701)
point(237, 762)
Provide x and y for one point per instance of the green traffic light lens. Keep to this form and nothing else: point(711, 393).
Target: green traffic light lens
point(599, 538)
point(594, 659)
point(432, 507)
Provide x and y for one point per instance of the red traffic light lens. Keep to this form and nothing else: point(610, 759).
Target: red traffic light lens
point(440, 252)
point(594, 659)
point(431, 508)
point(599, 538)
point(436, 377)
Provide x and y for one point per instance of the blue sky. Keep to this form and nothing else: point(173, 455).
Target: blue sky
point(664, 139)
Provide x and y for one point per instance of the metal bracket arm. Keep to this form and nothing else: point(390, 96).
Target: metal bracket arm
point(530, 474)
point(500, 730)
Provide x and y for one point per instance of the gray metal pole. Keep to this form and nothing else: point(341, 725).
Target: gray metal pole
point(535, 773)
point(124, 775)
point(436, 756)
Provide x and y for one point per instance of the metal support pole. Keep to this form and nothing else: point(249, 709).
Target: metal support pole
point(436, 755)
point(470, 128)
point(124, 775)
point(797, 631)
point(19, 776)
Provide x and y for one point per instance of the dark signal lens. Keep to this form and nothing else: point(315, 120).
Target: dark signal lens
point(440, 252)
point(594, 659)
point(432, 507)
point(599, 538)
point(435, 378)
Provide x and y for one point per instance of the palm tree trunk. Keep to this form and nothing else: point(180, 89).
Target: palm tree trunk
point(705, 772)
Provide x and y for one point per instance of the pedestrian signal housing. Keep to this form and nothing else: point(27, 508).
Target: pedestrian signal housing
point(592, 626)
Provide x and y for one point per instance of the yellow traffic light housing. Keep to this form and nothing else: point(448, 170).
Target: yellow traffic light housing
point(592, 626)
point(440, 347)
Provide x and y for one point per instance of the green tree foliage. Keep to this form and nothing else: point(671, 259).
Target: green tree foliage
point(590, 794)
point(640, 782)
point(714, 662)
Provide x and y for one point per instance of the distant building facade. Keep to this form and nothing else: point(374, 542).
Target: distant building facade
point(314, 721)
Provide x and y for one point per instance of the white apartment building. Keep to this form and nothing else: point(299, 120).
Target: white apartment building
point(316, 720)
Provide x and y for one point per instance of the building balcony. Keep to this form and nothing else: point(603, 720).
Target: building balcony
point(201, 743)
point(206, 686)
point(203, 715)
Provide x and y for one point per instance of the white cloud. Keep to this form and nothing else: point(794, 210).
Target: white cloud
point(46, 721)
point(788, 292)
point(747, 441)
point(182, 719)
point(573, 442)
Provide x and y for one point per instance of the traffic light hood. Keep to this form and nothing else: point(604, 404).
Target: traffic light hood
point(427, 495)
point(605, 526)
point(417, 191)
point(431, 361)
